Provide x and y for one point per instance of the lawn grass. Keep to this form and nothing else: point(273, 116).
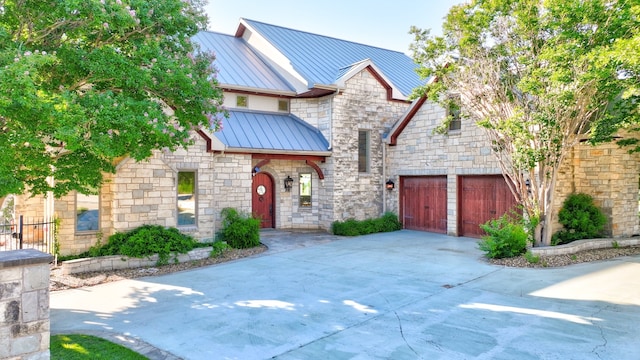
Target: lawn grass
point(85, 347)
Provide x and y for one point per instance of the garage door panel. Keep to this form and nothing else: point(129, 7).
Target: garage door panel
point(480, 199)
point(424, 203)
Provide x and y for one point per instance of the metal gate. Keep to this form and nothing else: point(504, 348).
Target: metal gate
point(24, 233)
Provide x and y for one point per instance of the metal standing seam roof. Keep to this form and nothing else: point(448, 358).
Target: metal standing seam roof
point(282, 132)
point(238, 64)
point(319, 58)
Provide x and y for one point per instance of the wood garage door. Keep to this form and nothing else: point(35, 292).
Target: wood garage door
point(480, 199)
point(423, 203)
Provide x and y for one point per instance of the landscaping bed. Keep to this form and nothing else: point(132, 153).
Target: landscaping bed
point(61, 281)
point(568, 259)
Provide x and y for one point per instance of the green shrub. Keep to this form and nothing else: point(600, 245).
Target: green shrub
point(580, 218)
point(240, 231)
point(218, 248)
point(506, 237)
point(145, 241)
point(351, 227)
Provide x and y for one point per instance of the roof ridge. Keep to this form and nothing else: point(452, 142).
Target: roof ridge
point(320, 35)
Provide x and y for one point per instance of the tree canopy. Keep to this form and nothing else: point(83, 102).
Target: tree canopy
point(86, 82)
point(538, 76)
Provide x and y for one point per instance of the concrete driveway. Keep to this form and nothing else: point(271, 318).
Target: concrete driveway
point(401, 295)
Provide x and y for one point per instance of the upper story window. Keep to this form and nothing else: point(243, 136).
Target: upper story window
point(242, 101)
point(283, 105)
point(87, 212)
point(453, 113)
point(305, 190)
point(186, 198)
point(363, 150)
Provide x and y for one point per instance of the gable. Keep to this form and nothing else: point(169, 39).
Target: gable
point(320, 60)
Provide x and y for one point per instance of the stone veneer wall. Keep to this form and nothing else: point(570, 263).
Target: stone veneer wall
point(231, 184)
point(421, 152)
point(610, 175)
point(144, 192)
point(24, 305)
point(318, 113)
point(362, 105)
point(606, 172)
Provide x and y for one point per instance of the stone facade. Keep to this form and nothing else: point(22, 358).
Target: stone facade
point(420, 152)
point(24, 305)
point(610, 175)
point(362, 105)
point(606, 172)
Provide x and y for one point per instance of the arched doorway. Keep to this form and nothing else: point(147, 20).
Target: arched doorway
point(262, 199)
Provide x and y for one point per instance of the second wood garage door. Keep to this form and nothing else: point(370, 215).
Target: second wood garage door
point(480, 199)
point(423, 203)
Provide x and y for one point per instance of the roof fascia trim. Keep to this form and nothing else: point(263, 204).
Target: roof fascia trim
point(392, 138)
point(271, 55)
point(252, 90)
point(393, 93)
point(276, 152)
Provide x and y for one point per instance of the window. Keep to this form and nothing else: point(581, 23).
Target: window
point(242, 101)
point(186, 198)
point(363, 151)
point(453, 113)
point(305, 190)
point(87, 213)
point(283, 105)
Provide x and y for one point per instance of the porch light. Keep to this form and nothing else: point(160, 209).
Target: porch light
point(390, 184)
point(288, 183)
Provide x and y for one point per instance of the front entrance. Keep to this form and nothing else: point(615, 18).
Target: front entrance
point(262, 199)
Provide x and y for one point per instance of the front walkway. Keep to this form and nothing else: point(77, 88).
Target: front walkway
point(401, 295)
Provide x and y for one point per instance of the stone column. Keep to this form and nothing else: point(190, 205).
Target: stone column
point(24, 304)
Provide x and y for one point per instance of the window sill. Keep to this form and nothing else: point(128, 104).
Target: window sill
point(188, 228)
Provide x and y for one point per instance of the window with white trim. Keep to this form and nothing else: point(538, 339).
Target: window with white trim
point(242, 101)
point(305, 190)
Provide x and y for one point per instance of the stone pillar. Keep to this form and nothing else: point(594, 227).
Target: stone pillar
point(24, 304)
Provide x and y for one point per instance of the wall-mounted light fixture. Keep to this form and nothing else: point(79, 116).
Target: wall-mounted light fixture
point(288, 183)
point(390, 185)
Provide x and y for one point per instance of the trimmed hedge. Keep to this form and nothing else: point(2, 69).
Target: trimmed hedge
point(351, 227)
point(146, 241)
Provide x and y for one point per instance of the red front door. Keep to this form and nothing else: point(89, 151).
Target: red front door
point(262, 199)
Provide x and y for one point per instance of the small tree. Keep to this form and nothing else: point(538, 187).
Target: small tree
point(84, 83)
point(527, 72)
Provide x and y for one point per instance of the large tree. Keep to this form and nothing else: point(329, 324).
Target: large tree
point(531, 74)
point(86, 82)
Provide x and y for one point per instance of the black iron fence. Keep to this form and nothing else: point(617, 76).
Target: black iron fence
point(28, 234)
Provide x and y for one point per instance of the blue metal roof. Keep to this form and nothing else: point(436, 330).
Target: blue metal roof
point(319, 58)
point(280, 132)
point(238, 64)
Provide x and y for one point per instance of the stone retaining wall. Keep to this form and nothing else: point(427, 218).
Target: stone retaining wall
point(117, 262)
point(24, 304)
point(582, 245)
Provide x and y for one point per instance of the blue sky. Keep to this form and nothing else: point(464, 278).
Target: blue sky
point(382, 23)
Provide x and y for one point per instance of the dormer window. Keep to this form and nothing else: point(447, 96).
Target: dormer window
point(283, 105)
point(242, 101)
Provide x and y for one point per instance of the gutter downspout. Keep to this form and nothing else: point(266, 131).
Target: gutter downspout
point(384, 176)
point(215, 156)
